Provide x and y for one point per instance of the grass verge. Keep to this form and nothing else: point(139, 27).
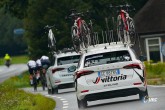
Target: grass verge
point(16, 59)
point(155, 73)
point(13, 98)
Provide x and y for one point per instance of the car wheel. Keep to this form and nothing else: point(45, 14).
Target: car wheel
point(55, 90)
point(49, 91)
point(82, 103)
point(75, 86)
point(143, 94)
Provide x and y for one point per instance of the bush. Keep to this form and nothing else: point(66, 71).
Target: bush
point(156, 69)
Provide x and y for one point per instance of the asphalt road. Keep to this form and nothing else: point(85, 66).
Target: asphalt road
point(66, 99)
point(13, 70)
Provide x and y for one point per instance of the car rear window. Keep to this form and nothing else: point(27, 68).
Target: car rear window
point(106, 58)
point(68, 60)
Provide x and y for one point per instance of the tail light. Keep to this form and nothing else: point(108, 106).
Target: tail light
point(57, 69)
point(82, 73)
point(84, 91)
point(58, 81)
point(134, 65)
point(138, 83)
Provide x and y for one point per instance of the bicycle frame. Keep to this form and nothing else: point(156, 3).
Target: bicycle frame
point(77, 23)
point(124, 16)
point(51, 37)
point(127, 27)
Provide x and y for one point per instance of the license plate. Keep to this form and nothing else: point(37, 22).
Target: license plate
point(109, 73)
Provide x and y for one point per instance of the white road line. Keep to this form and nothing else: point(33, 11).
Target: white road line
point(65, 106)
point(65, 101)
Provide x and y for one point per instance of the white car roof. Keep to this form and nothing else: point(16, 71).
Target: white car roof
point(66, 54)
point(101, 48)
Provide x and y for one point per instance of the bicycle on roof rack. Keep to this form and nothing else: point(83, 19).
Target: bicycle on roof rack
point(125, 24)
point(79, 31)
point(51, 38)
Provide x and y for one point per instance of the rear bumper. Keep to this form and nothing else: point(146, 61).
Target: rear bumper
point(112, 94)
point(66, 85)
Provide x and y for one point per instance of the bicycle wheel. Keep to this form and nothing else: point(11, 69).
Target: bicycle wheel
point(84, 30)
point(35, 83)
point(120, 29)
point(43, 81)
point(132, 33)
point(92, 40)
point(75, 38)
point(51, 41)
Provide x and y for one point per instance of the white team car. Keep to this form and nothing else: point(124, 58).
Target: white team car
point(61, 74)
point(107, 72)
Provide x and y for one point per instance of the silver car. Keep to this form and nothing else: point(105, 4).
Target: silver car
point(61, 74)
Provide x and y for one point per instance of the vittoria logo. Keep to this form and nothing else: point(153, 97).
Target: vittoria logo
point(109, 78)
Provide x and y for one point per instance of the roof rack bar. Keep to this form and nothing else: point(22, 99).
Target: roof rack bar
point(103, 36)
point(97, 36)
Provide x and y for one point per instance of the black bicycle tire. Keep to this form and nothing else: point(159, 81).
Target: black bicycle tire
point(84, 34)
point(132, 32)
point(52, 42)
point(91, 33)
point(43, 81)
point(75, 39)
point(35, 82)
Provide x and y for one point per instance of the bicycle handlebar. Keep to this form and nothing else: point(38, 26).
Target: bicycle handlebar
point(75, 14)
point(126, 7)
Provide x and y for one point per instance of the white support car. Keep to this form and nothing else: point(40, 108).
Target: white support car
point(109, 71)
point(61, 74)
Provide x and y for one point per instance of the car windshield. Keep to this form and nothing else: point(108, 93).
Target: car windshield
point(105, 58)
point(68, 60)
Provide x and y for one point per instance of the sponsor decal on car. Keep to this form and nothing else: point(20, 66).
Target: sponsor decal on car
point(64, 75)
point(109, 76)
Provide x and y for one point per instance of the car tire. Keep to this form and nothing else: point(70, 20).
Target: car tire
point(143, 94)
point(75, 86)
point(49, 91)
point(55, 90)
point(82, 103)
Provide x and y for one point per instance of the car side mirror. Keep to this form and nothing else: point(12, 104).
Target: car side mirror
point(142, 58)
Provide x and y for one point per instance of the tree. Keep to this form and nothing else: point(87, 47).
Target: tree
point(16, 8)
point(39, 13)
point(9, 42)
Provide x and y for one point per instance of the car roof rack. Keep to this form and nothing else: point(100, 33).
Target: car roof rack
point(65, 50)
point(108, 41)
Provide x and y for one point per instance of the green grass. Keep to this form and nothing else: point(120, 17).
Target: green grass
point(13, 98)
point(16, 59)
point(19, 81)
point(155, 73)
